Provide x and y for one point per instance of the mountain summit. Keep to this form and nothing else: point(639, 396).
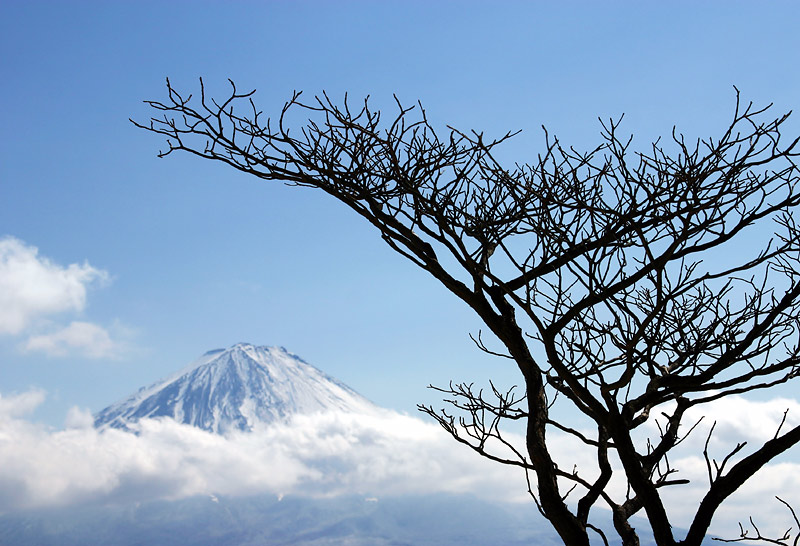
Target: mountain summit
point(235, 389)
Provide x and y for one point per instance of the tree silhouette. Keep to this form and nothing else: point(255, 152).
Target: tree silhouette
point(614, 280)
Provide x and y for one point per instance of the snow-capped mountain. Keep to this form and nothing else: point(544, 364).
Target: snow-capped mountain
point(235, 389)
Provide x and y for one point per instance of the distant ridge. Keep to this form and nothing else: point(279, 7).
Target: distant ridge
point(236, 389)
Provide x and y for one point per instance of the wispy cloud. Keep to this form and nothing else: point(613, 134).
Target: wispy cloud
point(19, 405)
point(34, 290)
point(83, 338)
point(325, 454)
point(31, 286)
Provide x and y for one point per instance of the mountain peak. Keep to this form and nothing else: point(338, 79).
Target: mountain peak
point(236, 389)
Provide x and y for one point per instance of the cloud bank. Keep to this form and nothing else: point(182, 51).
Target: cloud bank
point(322, 454)
point(33, 289)
point(327, 454)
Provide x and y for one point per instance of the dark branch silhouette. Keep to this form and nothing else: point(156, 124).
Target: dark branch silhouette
point(783, 540)
point(616, 281)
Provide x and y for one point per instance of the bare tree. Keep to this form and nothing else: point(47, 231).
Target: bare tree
point(587, 268)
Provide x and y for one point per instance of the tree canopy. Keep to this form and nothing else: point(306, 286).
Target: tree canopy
point(616, 281)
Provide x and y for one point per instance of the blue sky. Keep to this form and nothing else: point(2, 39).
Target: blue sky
point(178, 256)
point(117, 268)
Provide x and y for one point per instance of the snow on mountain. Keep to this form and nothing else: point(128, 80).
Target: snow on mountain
point(235, 389)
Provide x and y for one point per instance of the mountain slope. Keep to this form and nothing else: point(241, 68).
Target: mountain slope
point(235, 389)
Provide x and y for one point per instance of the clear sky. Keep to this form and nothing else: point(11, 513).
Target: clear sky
point(144, 264)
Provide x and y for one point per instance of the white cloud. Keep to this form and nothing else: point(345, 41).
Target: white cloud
point(20, 404)
point(83, 338)
point(33, 289)
point(79, 418)
point(314, 454)
point(738, 419)
point(326, 454)
point(31, 286)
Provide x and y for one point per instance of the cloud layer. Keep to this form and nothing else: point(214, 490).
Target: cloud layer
point(33, 289)
point(314, 454)
point(326, 454)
